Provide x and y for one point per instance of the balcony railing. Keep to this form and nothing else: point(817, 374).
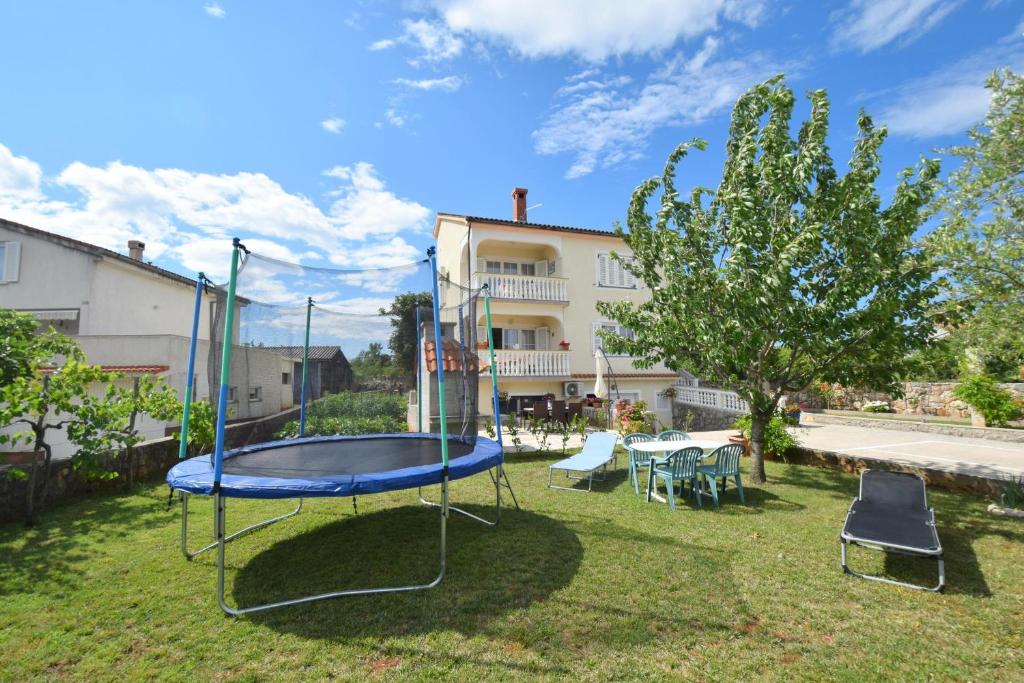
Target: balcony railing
point(712, 398)
point(532, 363)
point(523, 287)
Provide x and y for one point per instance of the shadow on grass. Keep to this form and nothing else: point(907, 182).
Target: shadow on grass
point(57, 549)
point(490, 571)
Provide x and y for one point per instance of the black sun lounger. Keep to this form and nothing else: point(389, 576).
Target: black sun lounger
point(891, 514)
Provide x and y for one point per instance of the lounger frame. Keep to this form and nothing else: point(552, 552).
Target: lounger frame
point(935, 554)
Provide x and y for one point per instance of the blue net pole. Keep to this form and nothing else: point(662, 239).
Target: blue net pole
point(305, 370)
point(494, 367)
point(419, 370)
point(439, 352)
point(225, 368)
point(186, 410)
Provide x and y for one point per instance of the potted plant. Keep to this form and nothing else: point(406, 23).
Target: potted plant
point(776, 439)
point(669, 393)
point(564, 345)
point(482, 345)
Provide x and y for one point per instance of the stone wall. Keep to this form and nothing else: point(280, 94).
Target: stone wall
point(920, 398)
point(152, 460)
point(701, 419)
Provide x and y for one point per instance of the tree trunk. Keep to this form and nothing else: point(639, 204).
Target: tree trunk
point(758, 423)
point(31, 512)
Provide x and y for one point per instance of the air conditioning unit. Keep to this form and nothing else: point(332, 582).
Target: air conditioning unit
point(573, 389)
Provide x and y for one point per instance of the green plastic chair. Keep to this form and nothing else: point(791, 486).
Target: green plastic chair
point(726, 464)
point(673, 435)
point(637, 459)
point(679, 466)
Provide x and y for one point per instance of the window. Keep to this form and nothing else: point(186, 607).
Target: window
point(527, 269)
point(631, 396)
point(256, 393)
point(612, 328)
point(232, 394)
point(662, 402)
point(611, 273)
point(286, 378)
point(520, 339)
point(516, 267)
point(493, 267)
point(510, 268)
point(10, 258)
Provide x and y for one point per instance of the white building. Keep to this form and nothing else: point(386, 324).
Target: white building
point(545, 282)
point(129, 316)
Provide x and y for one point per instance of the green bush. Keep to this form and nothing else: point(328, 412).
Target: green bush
point(776, 439)
point(876, 407)
point(351, 413)
point(983, 394)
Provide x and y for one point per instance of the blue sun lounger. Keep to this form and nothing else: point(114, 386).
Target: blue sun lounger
point(891, 514)
point(598, 451)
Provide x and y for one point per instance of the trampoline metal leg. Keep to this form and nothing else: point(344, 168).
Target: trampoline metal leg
point(497, 500)
point(189, 554)
point(222, 541)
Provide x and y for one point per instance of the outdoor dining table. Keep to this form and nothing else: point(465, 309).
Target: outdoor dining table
point(654, 447)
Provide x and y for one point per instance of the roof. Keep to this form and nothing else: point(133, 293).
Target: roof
point(534, 226)
point(125, 369)
point(95, 250)
point(315, 352)
point(453, 354)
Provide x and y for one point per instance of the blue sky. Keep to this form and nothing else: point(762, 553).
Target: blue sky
point(331, 132)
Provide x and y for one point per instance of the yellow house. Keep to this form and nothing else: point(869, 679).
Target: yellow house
point(544, 283)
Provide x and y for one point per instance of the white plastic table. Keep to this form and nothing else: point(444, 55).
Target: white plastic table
point(654, 447)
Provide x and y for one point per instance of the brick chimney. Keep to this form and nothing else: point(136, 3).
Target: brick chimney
point(519, 204)
point(135, 249)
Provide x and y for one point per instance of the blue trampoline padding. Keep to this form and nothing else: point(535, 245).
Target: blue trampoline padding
point(334, 466)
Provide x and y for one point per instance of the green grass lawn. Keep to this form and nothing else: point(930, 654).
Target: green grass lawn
point(573, 586)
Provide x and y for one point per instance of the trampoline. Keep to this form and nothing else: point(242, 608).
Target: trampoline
point(335, 466)
point(441, 446)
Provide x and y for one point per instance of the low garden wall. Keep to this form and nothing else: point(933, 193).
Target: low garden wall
point(801, 455)
point(152, 460)
point(990, 433)
point(919, 398)
point(688, 417)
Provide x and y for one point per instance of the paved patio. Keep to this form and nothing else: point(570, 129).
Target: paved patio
point(961, 455)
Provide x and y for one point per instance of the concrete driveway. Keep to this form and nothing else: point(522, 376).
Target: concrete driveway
point(975, 457)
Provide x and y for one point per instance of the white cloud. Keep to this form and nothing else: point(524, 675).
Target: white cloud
point(446, 84)
point(605, 122)
point(395, 118)
point(951, 99)
point(383, 44)
point(593, 29)
point(434, 40)
point(333, 125)
point(867, 25)
point(182, 215)
point(215, 10)
point(19, 177)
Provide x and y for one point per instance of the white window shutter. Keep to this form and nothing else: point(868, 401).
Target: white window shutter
point(481, 265)
point(595, 341)
point(541, 268)
point(12, 260)
point(602, 269)
point(510, 338)
point(542, 342)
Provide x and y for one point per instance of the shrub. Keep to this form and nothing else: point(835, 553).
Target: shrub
point(983, 394)
point(632, 418)
point(776, 439)
point(876, 407)
point(1013, 494)
point(349, 414)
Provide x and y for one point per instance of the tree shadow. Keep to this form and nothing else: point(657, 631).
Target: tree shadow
point(56, 551)
point(489, 572)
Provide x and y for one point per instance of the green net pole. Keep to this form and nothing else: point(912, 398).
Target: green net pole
point(225, 368)
point(305, 370)
point(439, 352)
point(494, 367)
point(419, 370)
point(186, 411)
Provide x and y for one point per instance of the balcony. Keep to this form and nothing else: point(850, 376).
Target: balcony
point(532, 363)
point(524, 287)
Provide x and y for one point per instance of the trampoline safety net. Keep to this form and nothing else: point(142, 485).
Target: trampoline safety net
point(318, 350)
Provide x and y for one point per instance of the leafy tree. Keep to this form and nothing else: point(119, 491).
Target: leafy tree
point(57, 394)
point(403, 328)
point(980, 240)
point(15, 331)
point(789, 273)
